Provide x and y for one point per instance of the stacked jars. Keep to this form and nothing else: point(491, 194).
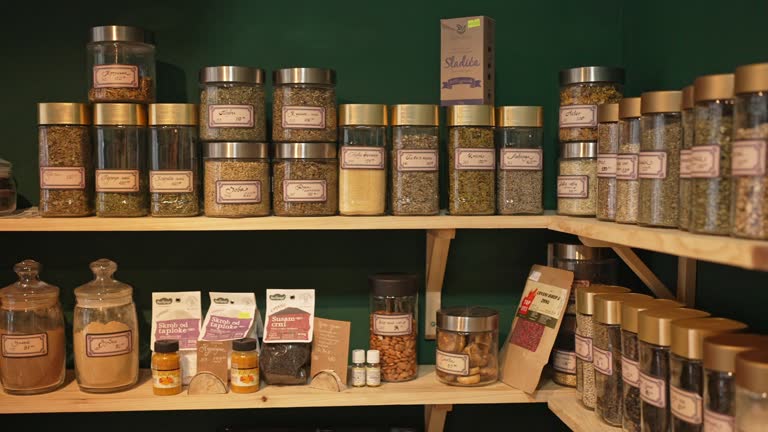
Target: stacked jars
point(607, 150)
point(121, 65)
point(627, 186)
point(471, 160)
point(688, 118)
point(304, 105)
point(232, 106)
point(306, 179)
point(520, 167)
point(577, 179)
point(236, 179)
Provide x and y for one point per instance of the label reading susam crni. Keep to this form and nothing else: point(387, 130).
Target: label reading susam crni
point(521, 159)
point(653, 390)
point(116, 76)
point(572, 116)
point(417, 160)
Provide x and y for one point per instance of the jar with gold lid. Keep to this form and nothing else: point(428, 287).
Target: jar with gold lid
point(627, 183)
point(689, 124)
point(471, 160)
point(607, 151)
point(520, 167)
point(752, 390)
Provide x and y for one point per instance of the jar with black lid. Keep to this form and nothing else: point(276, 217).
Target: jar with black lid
point(582, 89)
point(304, 105)
point(121, 65)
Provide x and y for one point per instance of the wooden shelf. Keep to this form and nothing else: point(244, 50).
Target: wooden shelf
point(576, 417)
point(425, 390)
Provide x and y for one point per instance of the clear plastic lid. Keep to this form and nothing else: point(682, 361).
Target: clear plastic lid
point(29, 292)
point(104, 289)
point(5, 168)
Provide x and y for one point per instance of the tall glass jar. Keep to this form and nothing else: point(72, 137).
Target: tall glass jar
point(306, 181)
point(7, 188)
point(471, 160)
point(689, 126)
point(752, 391)
point(362, 159)
point(121, 65)
point(394, 323)
point(582, 89)
point(520, 170)
point(627, 183)
point(750, 133)
point(304, 105)
point(66, 170)
point(659, 160)
point(236, 179)
point(577, 179)
point(105, 333)
point(711, 155)
point(415, 188)
point(31, 334)
point(174, 180)
point(467, 346)
point(121, 160)
point(607, 151)
point(232, 106)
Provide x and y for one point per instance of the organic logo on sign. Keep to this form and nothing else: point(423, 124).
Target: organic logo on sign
point(277, 297)
point(164, 301)
point(221, 300)
point(460, 29)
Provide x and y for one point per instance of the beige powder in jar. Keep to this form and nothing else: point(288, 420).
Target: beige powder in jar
point(107, 372)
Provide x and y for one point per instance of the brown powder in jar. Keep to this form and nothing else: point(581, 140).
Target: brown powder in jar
point(33, 373)
point(105, 372)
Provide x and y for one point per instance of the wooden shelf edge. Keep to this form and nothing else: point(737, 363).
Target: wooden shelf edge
point(571, 412)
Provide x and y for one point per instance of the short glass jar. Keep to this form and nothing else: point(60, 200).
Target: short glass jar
point(362, 159)
point(121, 65)
point(607, 151)
point(305, 179)
point(582, 89)
point(577, 179)
point(304, 105)
point(65, 156)
point(236, 179)
point(174, 179)
point(121, 160)
point(752, 391)
point(166, 368)
point(7, 188)
point(471, 160)
point(415, 187)
point(627, 183)
point(520, 167)
point(467, 346)
point(394, 323)
point(689, 124)
point(232, 105)
point(244, 373)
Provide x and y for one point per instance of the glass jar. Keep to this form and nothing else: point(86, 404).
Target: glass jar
point(174, 179)
point(236, 179)
point(121, 65)
point(415, 188)
point(166, 368)
point(394, 322)
point(655, 335)
point(363, 159)
point(471, 160)
point(232, 106)
point(121, 160)
point(31, 333)
point(689, 124)
point(105, 332)
point(659, 159)
point(750, 133)
point(66, 171)
point(577, 179)
point(467, 346)
point(752, 391)
point(304, 105)
point(245, 366)
point(520, 171)
point(582, 89)
point(306, 181)
point(627, 183)
point(686, 368)
point(607, 150)
point(711, 155)
point(7, 188)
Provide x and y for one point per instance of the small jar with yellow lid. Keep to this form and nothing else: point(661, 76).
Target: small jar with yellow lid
point(520, 168)
point(471, 160)
point(752, 391)
point(244, 373)
point(166, 368)
point(627, 184)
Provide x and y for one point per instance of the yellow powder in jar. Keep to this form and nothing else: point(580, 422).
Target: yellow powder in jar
point(102, 367)
point(362, 191)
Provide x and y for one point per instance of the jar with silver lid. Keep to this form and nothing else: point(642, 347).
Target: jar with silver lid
point(520, 167)
point(236, 179)
point(582, 89)
point(577, 179)
point(121, 65)
point(304, 105)
point(305, 179)
point(467, 346)
point(232, 106)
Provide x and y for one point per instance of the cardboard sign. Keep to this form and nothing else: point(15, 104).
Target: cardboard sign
point(213, 357)
point(467, 65)
point(330, 347)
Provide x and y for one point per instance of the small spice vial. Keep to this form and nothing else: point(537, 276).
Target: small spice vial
point(232, 106)
point(467, 346)
point(66, 167)
point(582, 89)
point(752, 391)
point(358, 368)
point(607, 151)
point(577, 179)
point(627, 183)
point(471, 160)
point(166, 368)
point(244, 372)
point(520, 167)
point(372, 368)
point(306, 179)
point(394, 308)
point(236, 179)
point(304, 105)
point(121, 65)
point(362, 159)
point(688, 118)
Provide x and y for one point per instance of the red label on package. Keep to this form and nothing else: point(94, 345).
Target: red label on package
point(290, 316)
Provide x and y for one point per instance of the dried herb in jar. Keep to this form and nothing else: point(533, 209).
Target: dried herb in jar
point(415, 175)
point(586, 171)
point(750, 200)
point(304, 105)
point(659, 170)
point(306, 180)
point(144, 93)
point(65, 146)
point(654, 363)
point(471, 172)
point(582, 89)
point(246, 118)
point(251, 176)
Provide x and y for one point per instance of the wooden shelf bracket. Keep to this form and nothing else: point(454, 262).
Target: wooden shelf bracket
point(438, 245)
point(686, 281)
point(434, 417)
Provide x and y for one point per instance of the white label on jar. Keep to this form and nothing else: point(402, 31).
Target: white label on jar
point(303, 117)
point(630, 372)
point(417, 160)
point(653, 391)
point(372, 376)
point(685, 164)
point(652, 165)
point(304, 191)
point(572, 116)
point(685, 405)
point(626, 166)
point(475, 159)
point(521, 159)
point(117, 180)
point(230, 116)
point(573, 186)
point(603, 361)
point(714, 422)
point(705, 161)
point(248, 377)
point(108, 344)
point(748, 158)
point(358, 376)
point(62, 178)
point(362, 157)
point(564, 361)
point(238, 192)
point(454, 364)
point(116, 75)
point(584, 348)
point(28, 345)
point(170, 181)
point(606, 165)
point(166, 379)
point(392, 325)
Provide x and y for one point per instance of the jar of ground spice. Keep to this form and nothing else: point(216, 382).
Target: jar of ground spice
point(121, 160)
point(711, 155)
point(31, 334)
point(306, 181)
point(394, 309)
point(244, 372)
point(304, 105)
point(236, 179)
point(362, 159)
point(752, 391)
point(174, 179)
point(415, 187)
point(166, 368)
point(471, 160)
point(121, 65)
point(467, 346)
point(232, 106)
point(607, 151)
point(582, 89)
point(577, 179)
point(66, 168)
point(520, 168)
point(688, 118)
point(627, 183)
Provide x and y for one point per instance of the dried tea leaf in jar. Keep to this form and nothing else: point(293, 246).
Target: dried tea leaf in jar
point(305, 180)
point(577, 179)
point(689, 124)
point(471, 160)
point(121, 65)
point(607, 151)
point(394, 308)
point(519, 174)
point(304, 105)
point(582, 89)
point(236, 179)
point(232, 106)
point(627, 182)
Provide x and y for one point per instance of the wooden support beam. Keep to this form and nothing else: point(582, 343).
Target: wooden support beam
point(686, 281)
point(438, 245)
point(434, 417)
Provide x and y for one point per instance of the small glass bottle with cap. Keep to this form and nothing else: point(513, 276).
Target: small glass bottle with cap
point(121, 65)
point(305, 179)
point(467, 346)
point(471, 160)
point(304, 105)
point(232, 106)
point(520, 168)
point(362, 159)
point(358, 368)
point(689, 125)
point(166, 368)
point(577, 179)
point(752, 390)
point(236, 179)
point(372, 368)
point(607, 150)
point(244, 373)
point(627, 183)
point(7, 188)
point(394, 323)
point(582, 89)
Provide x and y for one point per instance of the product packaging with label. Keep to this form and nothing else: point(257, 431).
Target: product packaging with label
point(288, 331)
point(467, 66)
point(176, 316)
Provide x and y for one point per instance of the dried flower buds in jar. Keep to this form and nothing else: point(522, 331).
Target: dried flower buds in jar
point(306, 179)
point(121, 65)
point(582, 89)
point(236, 179)
point(471, 160)
point(520, 172)
point(467, 346)
point(232, 106)
point(304, 105)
